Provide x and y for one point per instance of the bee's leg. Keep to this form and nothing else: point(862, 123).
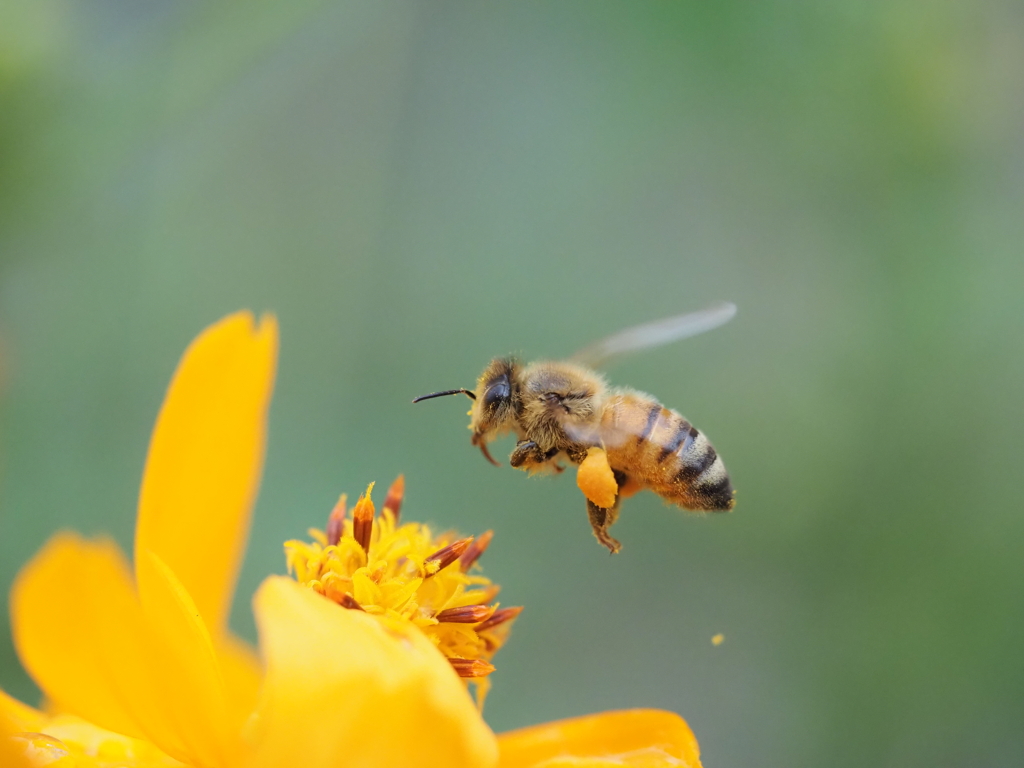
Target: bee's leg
point(526, 454)
point(602, 518)
point(576, 453)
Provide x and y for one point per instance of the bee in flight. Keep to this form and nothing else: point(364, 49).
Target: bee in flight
point(565, 411)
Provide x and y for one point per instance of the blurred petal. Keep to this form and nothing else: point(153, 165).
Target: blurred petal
point(242, 673)
point(79, 630)
point(205, 459)
point(186, 665)
point(18, 716)
point(32, 750)
point(14, 718)
point(640, 738)
point(85, 746)
point(342, 689)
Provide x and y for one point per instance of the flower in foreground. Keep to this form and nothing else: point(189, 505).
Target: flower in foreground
point(405, 573)
point(139, 668)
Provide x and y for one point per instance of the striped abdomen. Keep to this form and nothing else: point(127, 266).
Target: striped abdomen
point(664, 452)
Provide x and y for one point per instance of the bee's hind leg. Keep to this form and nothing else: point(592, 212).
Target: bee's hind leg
point(602, 518)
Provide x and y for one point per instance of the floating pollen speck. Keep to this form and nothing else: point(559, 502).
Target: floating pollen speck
point(718, 639)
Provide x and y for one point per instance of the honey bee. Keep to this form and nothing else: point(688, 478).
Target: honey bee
point(564, 410)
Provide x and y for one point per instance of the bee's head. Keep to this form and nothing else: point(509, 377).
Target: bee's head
point(494, 410)
point(494, 402)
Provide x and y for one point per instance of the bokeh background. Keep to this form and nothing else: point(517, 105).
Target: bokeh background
point(416, 187)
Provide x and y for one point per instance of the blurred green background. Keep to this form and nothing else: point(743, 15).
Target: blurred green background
point(416, 187)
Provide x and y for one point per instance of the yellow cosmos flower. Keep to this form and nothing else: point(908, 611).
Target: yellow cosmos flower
point(406, 574)
point(139, 668)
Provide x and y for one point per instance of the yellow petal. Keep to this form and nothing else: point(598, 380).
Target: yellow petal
point(64, 740)
point(205, 458)
point(15, 717)
point(32, 750)
point(343, 688)
point(596, 479)
point(242, 674)
point(640, 738)
point(81, 633)
point(86, 746)
point(192, 690)
point(18, 716)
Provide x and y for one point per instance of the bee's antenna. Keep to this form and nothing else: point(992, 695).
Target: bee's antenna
point(471, 395)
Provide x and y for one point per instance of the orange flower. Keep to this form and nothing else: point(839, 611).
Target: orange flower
point(140, 669)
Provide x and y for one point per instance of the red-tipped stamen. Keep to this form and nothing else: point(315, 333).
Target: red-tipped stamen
point(465, 614)
point(472, 667)
point(347, 601)
point(394, 498)
point(500, 616)
point(477, 548)
point(362, 521)
point(336, 520)
point(445, 556)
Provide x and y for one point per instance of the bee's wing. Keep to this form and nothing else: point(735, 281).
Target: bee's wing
point(598, 434)
point(655, 334)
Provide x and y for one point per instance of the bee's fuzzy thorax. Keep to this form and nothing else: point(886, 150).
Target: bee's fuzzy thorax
point(555, 396)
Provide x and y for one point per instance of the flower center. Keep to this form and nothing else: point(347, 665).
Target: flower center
point(373, 563)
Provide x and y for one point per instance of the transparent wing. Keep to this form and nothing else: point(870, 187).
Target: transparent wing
point(600, 434)
point(655, 334)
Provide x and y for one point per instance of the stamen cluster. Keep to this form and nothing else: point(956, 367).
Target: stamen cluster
point(372, 563)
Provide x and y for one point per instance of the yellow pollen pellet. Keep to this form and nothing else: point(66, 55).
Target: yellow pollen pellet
point(596, 479)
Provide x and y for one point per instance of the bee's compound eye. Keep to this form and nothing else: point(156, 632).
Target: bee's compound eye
point(497, 392)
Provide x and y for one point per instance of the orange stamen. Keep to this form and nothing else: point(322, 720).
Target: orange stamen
point(472, 667)
point(347, 601)
point(499, 617)
point(336, 521)
point(477, 548)
point(362, 520)
point(394, 498)
point(465, 614)
point(445, 556)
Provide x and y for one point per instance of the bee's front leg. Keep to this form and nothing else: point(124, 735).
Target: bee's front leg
point(529, 456)
point(526, 454)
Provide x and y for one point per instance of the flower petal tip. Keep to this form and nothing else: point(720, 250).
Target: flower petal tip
point(632, 737)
